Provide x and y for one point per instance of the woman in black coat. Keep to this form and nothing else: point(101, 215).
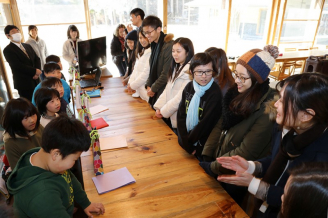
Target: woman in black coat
point(117, 48)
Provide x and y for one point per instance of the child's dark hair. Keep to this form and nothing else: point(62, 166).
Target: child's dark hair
point(43, 96)
point(8, 28)
point(16, 110)
point(187, 45)
point(152, 21)
point(202, 59)
point(53, 58)
point(138, 12)
point(50, 67)
point(50, 82)
point(69, 135)
point(74, 29)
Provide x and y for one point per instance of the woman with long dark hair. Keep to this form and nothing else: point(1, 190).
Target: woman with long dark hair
point(302, 113)
point(178, 77)
point(131, 41)
point(224, 77)
point(117, 48)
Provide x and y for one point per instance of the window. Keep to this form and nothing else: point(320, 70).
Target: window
point(203, 22)
point(322, 34)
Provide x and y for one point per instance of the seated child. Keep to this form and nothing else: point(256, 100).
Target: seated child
point(21, 122)
point(42, 184)
point(200, 106)
point(55, 59)
point(55, 83)
point(52, 69)
point(48, 103)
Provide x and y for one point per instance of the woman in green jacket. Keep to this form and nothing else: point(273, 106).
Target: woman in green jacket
point(244, 128)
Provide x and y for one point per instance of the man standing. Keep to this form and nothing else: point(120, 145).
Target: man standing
point(160, 59)
point(137, 15)
point(24, 63)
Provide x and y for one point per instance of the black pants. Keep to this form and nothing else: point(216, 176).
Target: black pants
point(26, 94)
point(120, 64)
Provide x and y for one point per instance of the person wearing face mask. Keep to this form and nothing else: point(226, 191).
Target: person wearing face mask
point(23, 61)
point(37, 44)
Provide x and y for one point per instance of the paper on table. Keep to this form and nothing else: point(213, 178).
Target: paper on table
point(97, 109)
point(113, 180)
point(113, 142)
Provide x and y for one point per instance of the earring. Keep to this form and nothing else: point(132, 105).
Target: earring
point(298, 128)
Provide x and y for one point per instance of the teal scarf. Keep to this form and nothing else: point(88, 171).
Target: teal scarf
point(192, 114)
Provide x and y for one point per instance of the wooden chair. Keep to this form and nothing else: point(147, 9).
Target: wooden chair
point(290, 49)
point(279, 71)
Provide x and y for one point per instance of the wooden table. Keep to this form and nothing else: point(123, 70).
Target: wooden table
point(169, 181)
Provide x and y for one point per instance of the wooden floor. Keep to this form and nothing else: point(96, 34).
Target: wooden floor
point(169, 181)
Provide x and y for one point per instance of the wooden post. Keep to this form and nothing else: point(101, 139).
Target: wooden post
point(228, 26)
point(16, 17)
point(165, 16)
point(87, 18)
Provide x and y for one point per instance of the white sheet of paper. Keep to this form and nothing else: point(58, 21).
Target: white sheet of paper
point(97, 109)
point(113, 142)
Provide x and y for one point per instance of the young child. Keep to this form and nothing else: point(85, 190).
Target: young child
point(21, 122)
point(55, 83)
point(48, 103)
point(52, 69)
point(42, 183)
point(168, 103)
point(200, 106)
point(57, 60)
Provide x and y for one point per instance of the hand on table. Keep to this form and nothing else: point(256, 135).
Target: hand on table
point(235, 163)
point(94, 208)
point(240, 179)
point(158, 114)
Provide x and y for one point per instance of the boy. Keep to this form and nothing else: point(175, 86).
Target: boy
point(42, 183)
point(55, 83)
point(52, 69)
point(23, 61)
point(55, 59)
point(137, 15)
point(160, 59)
point(200, 106)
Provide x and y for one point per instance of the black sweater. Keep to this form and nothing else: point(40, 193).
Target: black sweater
point(209, 113)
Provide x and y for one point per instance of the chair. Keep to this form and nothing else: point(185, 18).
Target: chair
point(278, 72)
point(290, 49)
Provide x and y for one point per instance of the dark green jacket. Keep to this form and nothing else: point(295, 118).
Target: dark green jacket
point(250, 139)
point(41, 193)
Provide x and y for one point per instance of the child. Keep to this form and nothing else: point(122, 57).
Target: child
point(48, 103)
point(168, 103)
point(42, 183)
point(200, 107)
point(22, 130)
point(55, 83)
point(52, 69)
point(57, 60)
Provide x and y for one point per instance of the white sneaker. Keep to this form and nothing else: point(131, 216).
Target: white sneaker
point(135, 95)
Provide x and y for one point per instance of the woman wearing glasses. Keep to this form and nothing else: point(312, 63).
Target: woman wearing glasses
point(200, 106)
point(244, 128)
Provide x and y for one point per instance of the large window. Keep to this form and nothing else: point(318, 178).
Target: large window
point(106, 15)
point(249, 25)
point(203, 22)
point(322, 34)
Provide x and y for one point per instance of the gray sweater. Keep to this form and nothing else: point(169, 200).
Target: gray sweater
point(40, 48)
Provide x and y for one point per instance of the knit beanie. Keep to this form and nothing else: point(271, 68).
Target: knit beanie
point(133, 35)
point(260, 62)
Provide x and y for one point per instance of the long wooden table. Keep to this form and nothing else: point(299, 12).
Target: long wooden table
point(169, 181)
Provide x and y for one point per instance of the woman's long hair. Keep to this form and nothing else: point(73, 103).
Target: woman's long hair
point(188, 46)
point(140, 50)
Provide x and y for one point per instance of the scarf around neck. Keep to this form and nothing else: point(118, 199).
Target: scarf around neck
point(192, 114)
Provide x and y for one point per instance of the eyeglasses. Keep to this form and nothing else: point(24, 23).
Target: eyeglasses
point(241, 79)
point(148, 33)
point(206, 72)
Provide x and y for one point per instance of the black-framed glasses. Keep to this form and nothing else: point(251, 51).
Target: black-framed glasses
point(148, 33)
point(206, 72)
point(241, 78)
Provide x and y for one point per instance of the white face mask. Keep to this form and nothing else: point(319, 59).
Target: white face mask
point(17, 37)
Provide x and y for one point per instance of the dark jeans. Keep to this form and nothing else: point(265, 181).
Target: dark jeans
point(120, 64)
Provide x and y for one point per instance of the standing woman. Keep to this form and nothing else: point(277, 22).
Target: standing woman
point(303, 111)
point(224, 77)
point(131, 41)
point(141, 69)
point(70, 52)
point(178, 77)
point(117, 48)
point(38, 45)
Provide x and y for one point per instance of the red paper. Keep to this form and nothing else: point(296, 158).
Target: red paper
point(99, 123)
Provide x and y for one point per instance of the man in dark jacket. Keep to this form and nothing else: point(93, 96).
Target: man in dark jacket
point(24, 63)
point(160, 59)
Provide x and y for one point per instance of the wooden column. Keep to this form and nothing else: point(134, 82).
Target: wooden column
point(87, 18)
point(16, 17)
point(165, 16)
point(3, 73)
point(228, 26)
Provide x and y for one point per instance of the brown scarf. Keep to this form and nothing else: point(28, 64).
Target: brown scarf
point(122, 42)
